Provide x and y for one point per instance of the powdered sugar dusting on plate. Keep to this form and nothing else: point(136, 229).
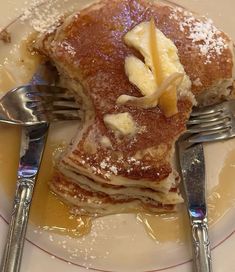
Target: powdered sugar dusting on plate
point(44, 17)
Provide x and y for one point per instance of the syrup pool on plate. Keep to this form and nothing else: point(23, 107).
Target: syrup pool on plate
point(173, 227)
point(47, 211)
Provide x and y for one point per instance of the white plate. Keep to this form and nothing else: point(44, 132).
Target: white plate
point(120, 243)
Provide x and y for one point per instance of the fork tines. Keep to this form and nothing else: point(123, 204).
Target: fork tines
point(212, 123)
point(52, 102)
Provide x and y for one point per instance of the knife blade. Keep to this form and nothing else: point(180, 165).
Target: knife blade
point(192, 168)
point(33, 141)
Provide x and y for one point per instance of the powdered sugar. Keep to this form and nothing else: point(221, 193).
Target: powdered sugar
point(110, 168)
point(44, 17)
point(107, 167)
point(114, 169)
point(68, 47)
point(204, 35)
point(208, 34)
point(103, 164)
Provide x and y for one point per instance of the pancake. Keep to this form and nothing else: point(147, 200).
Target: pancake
point(103, 172)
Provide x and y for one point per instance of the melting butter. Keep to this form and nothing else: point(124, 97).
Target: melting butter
point(121, 123)
point(139, 38)
point(140, 75)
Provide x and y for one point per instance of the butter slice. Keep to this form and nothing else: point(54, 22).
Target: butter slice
point(140, 75)
point(121, 123)
point(139, 38)
point(105, 141)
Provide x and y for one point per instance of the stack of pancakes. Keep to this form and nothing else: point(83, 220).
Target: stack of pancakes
point(102, 173)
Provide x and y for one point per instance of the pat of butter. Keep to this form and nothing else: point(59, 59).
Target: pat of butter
point(121, 123)
point(105, 141)
point(140, 75)
point(139, 38)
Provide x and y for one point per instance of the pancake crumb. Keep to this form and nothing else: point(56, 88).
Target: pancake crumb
point(5, 36)
point(197, 82)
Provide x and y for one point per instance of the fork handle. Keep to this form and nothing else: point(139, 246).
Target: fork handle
point(17, 229)
point(201, 246)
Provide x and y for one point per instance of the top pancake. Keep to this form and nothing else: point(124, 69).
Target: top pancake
point(88, 48)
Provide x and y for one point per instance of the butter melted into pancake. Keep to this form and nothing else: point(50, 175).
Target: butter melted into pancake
point(104, 172)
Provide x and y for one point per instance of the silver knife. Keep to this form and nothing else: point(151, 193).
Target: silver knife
point(192, 167)
point(33, 140)
point(27, 174)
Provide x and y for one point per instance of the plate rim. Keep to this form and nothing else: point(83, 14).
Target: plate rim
point(5, 28)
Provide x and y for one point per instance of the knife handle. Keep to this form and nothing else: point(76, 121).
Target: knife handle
point(201, 246)
point(17, 229)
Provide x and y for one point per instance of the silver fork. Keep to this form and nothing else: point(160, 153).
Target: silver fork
point(33, 107)
point(37, 104)
point(212, 123)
